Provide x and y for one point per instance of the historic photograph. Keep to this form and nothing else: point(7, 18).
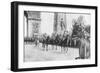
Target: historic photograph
point(50, 36)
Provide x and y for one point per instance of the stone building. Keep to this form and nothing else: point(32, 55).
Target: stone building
point(59, 22)
point(37, 23)
point(32, 23)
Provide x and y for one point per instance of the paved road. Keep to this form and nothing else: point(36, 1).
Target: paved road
point(33, 53)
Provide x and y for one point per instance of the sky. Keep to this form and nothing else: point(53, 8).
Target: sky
point(47, 22)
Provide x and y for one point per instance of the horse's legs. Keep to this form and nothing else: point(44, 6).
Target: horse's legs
point(66, 49)
point(56, 47)
point(52, 47)
point(43, 45)
point(46, 47)
point(61, 48)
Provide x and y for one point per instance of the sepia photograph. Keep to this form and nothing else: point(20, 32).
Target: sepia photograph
point(50, 36)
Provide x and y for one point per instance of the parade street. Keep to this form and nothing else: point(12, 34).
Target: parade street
point(33, 53)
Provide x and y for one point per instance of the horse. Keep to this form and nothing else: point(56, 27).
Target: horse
point(54, 40)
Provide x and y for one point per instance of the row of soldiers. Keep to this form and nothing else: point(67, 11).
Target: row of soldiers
point(64, 40)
